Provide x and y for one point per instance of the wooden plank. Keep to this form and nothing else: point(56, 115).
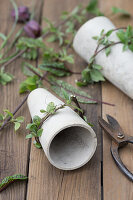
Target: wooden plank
point(116, 185)
point(14, 149)
point(47, 182)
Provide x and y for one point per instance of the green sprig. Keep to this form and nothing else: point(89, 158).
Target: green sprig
point(5, 77)
point(16, 121)
point(93, 72)
point(31, 83)
point(35, 127)
point(11, 179)
point(116, 10)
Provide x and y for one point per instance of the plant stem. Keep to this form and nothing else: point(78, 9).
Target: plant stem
point(96, 50)
point(36, 73)
point(14, 41)
point(20, 105)
point(15, 111)
point(59, 25)
point(21, 52)
point(43, 36)
point(95, 54)
point(14, 58)
point(46, 117)
point(9, 35)
point(74, 99)
point(90, 99)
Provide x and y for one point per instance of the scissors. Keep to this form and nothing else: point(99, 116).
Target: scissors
point(119, 139)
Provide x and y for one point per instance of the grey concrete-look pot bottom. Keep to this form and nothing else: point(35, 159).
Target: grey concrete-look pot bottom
point(67, 140)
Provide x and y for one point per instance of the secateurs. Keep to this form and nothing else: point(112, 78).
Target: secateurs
point(119, 139)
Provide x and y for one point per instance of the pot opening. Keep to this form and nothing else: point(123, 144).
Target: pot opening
point(72, 147)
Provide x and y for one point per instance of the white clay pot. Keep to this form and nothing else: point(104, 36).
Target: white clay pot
point(118, 65)
point(67, 140)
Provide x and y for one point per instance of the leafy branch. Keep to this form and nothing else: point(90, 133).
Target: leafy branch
point(11, 179)
point(93, 71)
point(9, 118)
point(51, 58)
point(58, 86)
point(67, 26)
point(51, 109)
point(25, 44)
point(34, 81)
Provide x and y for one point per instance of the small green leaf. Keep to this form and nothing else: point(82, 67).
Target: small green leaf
point(4, 37)
point(29, 136)
point(32, 127)
point(17, 125)
point(8, 112)
point(26, 71)
point(20, 119)
point(65, 94)
point(31, 80)
point(23, 88)
point(96, 75)
point(99, 67)
point(51, 108)
point(85, 118)
point(37, 145)
point(43, 111)
point(36, 120)
point(125, 47)
point(116, 10)
point(126, 37)
point(63, 56)
point(30, 70)
point(109, 33)
point(91, 60)
point(30, 84)
point(1, 117)
point(108, 51)
point(93, 8)
point(90, 124)
point(5, 77)
point(86, 75)
point(39, 132)
point(81, 83)
point(52, 38)
point(76, 108)
point(102, 32)
point(55, 68)
point(121, 35)
point(95, 37)
point(25, 42)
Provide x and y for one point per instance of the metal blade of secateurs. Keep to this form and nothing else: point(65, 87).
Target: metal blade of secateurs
point(114, 123)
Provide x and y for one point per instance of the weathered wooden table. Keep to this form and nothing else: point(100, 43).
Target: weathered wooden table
point(100, 177)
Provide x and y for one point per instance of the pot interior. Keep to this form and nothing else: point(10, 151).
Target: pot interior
point(72, 148)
